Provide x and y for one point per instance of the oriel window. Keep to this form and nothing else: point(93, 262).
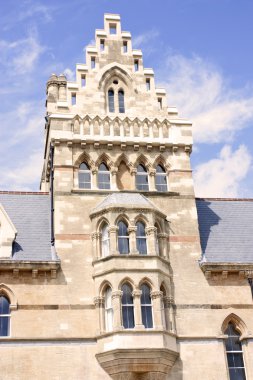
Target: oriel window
point(146, 307)
point(141, 241)
point(105, 240)
point(108, 309)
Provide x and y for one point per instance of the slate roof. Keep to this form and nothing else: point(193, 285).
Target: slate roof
point(226, 230)
point(125, 199)
point(30, 214)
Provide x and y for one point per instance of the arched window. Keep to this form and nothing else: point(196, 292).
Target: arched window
point(84, 177)
point(234, 354)
point(160, 179)
point(141, 241)
point(111, 100)
point(127, 307)
point(146, 307)
point(121, 101)
point(141, 178)
point(108, 309)
point(105, 240)
point(123, 238)
point(4, 316)
point(103, 177)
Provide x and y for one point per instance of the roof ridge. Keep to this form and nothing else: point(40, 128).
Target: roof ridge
point(224, 199)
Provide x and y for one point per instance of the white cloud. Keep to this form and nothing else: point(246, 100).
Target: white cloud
point(144, 38)
point(222, 176)
point(36, 9)
point(201, 94)
point(69, 74)
point(25, 176)
point(20, 56)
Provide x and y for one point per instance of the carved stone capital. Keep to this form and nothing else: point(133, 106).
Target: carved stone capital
point(133, 171)
point(99, 301)
point(249, 274)
point(156, 294)
point(152, 172)
point(95, 236)
point(117, 294)
point(168, 300)
point(113, 229)
point(132, 229)
point(150, 230)
point(136, 293)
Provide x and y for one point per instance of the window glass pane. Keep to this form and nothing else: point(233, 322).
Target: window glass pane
point(93, 62)
point(83, 80)
point(111, 100)
point(105, 241)
point(160, 179)
point(84, 176)
point(103, 177)
point(121, 101)
point(84, 166)
point(108, 310)
point(102, 45)
point(125, 46)
point(136, 65)
point(237, 374)
point(141, 243)
point(123, 238)
point(235, 359)
point(4, 305)
point(4, 326)
point(148, 84)
point(142, 178)
point(73, 99)
point(127, 307)
point(146, 307)
point(113, 29)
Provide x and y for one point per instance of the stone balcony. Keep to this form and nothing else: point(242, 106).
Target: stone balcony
point(137, 355)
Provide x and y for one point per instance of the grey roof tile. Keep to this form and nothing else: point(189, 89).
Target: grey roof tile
point(226, 230)
point(30, 214)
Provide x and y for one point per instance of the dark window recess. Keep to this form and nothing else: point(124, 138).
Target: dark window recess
point(146, 307)
point(4, 316)
point(141, 242)
point(136, 65)
point(160, 103)
point(123, 238)
point(103, 177)
point(102, 45)
point(111, 101)
point(93, 62)
point(84, 176)
point(234, 354)
point(83, 80)
point(125, 46)
point(113, 29)
point(142, 178)
point(127, 307)
point(73, 99)
point(160, 179)
point(121, 101)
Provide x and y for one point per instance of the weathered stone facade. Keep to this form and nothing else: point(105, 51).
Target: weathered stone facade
point(59, 328)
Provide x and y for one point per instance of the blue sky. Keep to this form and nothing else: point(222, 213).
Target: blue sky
point(201, 51)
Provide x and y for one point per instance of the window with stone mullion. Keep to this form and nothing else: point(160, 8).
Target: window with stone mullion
point(234, 354)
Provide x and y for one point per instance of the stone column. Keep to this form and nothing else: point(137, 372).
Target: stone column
point(113, 239)
point(132, 240)
point(169, 313)
point(94, 181)
point(152, 173)
point(114, 172)
point(156, 297)
point(100, 306)
point(151, 240)
point(95, 237)
point(137, 309)
point(163, 245)
point(116, 304)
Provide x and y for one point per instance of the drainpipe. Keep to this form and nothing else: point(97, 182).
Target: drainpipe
point(54, 256)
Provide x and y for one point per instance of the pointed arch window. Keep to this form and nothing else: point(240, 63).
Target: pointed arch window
point(111, 100)
point(84, 176)
point(127, 307)
point(142, 178)
point(4, 316)
point(108, 309)
point(105, 240)
point(234, 354)
point(123, 238)
point(141, 241)
point(121, 101)
point(146, 307)
point(103, 177)
point(161, 179)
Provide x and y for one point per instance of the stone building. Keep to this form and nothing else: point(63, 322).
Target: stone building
point(115, 270)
